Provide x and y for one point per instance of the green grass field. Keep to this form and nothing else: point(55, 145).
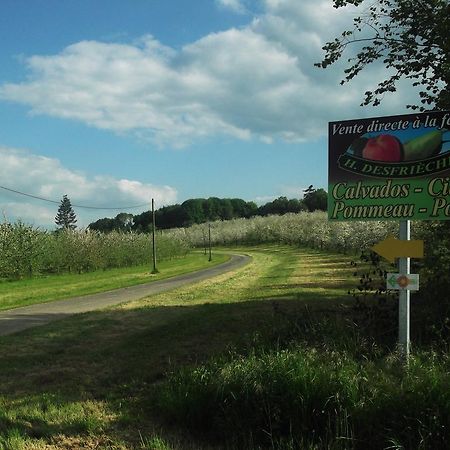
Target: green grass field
point(147, 374)
point(86, 379)
point(54, 287)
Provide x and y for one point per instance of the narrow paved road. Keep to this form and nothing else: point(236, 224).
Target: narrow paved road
point(18, 319)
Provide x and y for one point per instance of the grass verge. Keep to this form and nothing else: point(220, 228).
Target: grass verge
point(30, 291)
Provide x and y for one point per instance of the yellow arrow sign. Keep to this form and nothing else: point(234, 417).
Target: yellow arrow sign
point(392, 248)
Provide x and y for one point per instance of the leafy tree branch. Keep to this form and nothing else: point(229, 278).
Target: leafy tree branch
point(412, 40)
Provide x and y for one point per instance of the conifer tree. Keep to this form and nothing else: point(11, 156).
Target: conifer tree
point(66, 218)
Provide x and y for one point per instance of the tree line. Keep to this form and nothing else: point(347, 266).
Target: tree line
point(201, 210)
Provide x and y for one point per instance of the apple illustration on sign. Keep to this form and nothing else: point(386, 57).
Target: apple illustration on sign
point(384, 147)
point(389, 149)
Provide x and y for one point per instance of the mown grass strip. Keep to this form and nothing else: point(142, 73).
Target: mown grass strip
point(25, 292)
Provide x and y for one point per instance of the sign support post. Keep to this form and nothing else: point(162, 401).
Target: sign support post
point(404, 267)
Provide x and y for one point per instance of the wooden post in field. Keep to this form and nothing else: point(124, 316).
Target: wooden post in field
point(155, 270)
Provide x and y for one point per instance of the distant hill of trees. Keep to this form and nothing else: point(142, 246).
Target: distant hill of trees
point(200, 210)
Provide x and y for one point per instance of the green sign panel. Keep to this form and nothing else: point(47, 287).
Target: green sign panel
point(390, 168)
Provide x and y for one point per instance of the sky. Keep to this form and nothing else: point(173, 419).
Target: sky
point(116, 102)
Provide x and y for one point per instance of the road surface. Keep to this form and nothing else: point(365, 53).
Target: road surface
point(18, 319)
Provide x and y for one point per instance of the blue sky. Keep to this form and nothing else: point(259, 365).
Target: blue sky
point(113, 102)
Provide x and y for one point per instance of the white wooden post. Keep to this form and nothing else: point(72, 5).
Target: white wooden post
point(404, 267)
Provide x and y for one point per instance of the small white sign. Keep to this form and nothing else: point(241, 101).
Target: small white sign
point(402, 281)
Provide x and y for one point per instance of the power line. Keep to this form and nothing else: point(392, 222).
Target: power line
point(76, 206)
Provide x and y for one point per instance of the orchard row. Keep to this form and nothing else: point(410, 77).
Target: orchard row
point(26, 251)
point(304, 229)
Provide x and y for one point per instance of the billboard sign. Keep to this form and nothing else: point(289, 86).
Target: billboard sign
point(390, 168)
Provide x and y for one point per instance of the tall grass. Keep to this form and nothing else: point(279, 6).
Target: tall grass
point(47, 415)
point(27, 251)
point(310, 398)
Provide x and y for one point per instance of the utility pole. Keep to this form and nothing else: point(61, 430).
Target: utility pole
point(155, 270)
point(209, 239)
point(204, 240)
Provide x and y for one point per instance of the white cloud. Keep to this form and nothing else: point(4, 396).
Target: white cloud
point(293, 191)
point(257, 81)
point(38, 215)
point(47, 178)
point(261, 200)
point(233, 5)
point(289, 191)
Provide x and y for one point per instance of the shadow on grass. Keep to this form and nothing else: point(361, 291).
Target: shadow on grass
point(301, 289)
point(120, 340)
point(114, 356)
